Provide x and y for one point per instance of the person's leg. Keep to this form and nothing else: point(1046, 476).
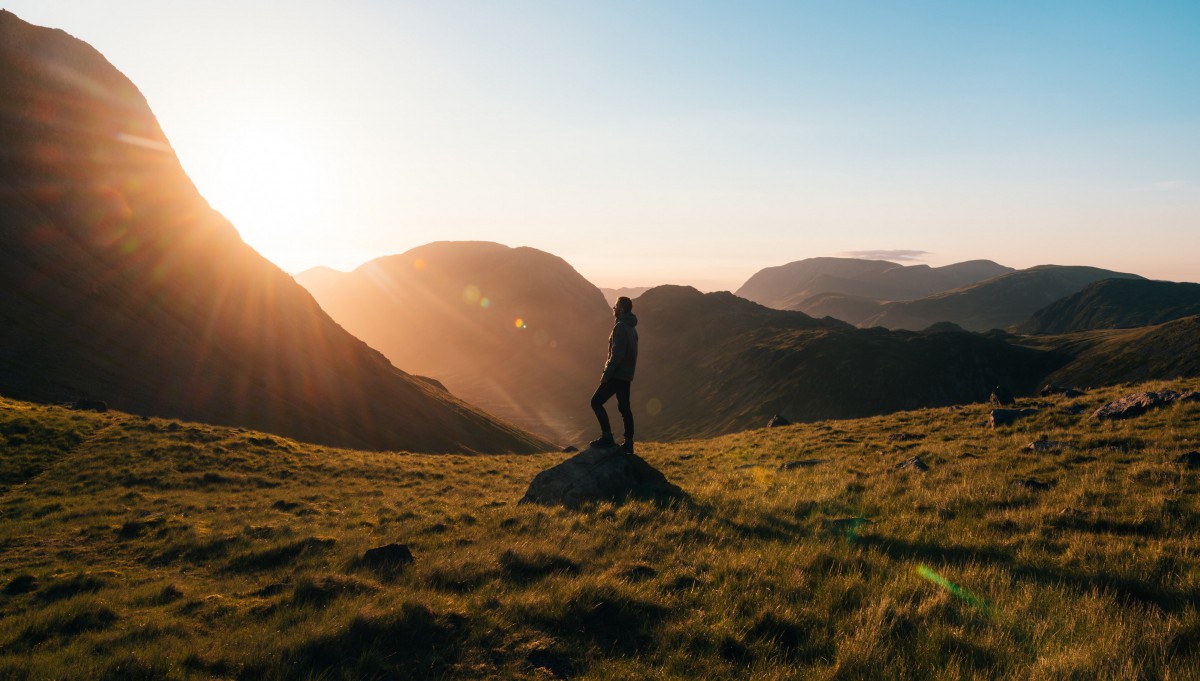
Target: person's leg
point(622, 391)
point(602, 395)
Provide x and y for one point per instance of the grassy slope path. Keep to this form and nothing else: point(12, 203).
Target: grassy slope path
point(147, 548)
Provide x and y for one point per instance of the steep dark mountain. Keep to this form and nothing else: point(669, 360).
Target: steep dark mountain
point(716, 363)
point(1111, 356)
point(1116, 304)
point(119, 283)
point(516, 331)
point(993, 304)
point(791, 286)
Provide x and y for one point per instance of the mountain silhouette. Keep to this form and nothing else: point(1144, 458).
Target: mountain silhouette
point(716, 363)
point(631, 292)
point(792, 286)
point(1116, 304)
point(998, 303)
point(119, 283)
point(516, 331)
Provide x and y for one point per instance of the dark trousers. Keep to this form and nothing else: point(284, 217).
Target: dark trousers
point(603, 393)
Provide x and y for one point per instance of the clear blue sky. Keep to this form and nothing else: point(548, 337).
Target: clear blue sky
point(692, 142)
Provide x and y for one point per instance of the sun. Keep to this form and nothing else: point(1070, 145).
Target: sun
point(270, 178)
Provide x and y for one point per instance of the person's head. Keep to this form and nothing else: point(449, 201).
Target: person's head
point(622, 306)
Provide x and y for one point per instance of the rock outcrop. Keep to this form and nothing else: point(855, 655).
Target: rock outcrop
point(600, 475)
point(1137, 404)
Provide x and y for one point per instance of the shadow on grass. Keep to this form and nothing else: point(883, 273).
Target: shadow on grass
point(1164, 598)
point(411, 642)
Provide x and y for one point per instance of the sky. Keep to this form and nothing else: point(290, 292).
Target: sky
point(651, 142)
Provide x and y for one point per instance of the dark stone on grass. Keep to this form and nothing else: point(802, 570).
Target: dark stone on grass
point(803, 463)
point(90, 405)
point(914, 463)
point(902, 437)
point(600, 475)
point(1136, 404)
point(777, 421)
point(1051, 390)
point(1033, 483)
point(389, 558)
point(1001, 397)
point(1189, 459)
point(1006, 417)
point(1044, 444)
point(569, 449)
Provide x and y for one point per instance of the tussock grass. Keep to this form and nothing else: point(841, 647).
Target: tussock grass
point(144, 548)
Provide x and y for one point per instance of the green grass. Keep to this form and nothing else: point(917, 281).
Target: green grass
point(142, 548)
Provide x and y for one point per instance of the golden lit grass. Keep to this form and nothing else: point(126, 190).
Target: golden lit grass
point(145, 548)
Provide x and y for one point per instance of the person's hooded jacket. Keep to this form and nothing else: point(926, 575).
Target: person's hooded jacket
point(622, 349)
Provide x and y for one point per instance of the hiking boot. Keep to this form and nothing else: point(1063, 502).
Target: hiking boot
point(605, 441)
point(627, 446)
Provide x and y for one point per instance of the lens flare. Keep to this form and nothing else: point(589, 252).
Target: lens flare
point(419, 264)
point(471, 295)
point(485, 303)
point(956, 590)
point(654, 406)
point(520, 323)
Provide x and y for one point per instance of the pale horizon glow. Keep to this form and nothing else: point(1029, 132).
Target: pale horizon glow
point(672, 142)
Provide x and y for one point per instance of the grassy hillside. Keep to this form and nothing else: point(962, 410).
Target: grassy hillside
point(141, 548)
point(1116, 304)
point(1111, 356)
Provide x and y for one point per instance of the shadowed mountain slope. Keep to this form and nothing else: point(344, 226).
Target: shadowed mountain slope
point(1116, 304)
point(716, 363)
point(993, 304)
point(119, 283)
point(788, 287)
point(516, 331)
point(1111, 356)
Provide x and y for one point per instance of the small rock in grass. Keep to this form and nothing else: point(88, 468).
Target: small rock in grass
point(914, 463)
point(1033, 483)
point(1044, 444)
point(803, 463)
point(1136, 404)
point(387, 558)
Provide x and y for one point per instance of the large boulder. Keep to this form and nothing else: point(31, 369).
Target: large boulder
point(1137, 404)
point(1006, 417)
point(597, 474)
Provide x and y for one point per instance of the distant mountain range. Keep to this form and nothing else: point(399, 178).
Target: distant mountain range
point(119, 283)
point(516, 331)
point(715, 363)
point(997, 303)
point(1116, 304)
point(791, 286)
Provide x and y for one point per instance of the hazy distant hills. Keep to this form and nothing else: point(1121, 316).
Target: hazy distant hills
point(997, 303)
point(1116, 304)
point(631, 292)
point(516, 331)
point(119, 283)
point(716, 363)
point(791, 286)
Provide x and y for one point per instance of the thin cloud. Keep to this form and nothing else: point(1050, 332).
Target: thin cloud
point(893, 254)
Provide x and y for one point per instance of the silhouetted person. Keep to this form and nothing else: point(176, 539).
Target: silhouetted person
point(618, 375)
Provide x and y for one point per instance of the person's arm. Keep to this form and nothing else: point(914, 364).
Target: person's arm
point(620, 346)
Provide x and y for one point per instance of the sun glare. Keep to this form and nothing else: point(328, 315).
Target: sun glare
point(270, 180)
